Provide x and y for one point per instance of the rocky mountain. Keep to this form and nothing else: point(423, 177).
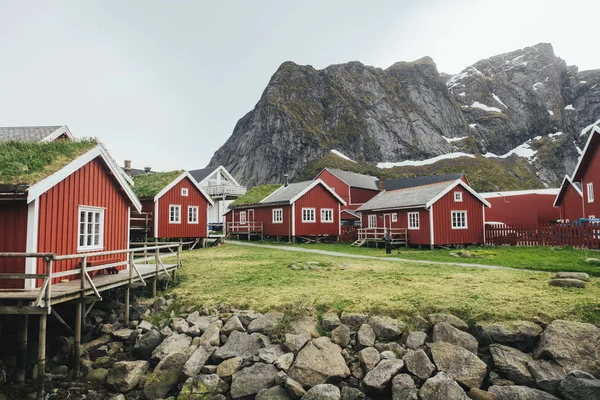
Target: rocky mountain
point(527, 104)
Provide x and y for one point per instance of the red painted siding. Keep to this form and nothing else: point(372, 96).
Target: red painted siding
point(415, 236)
point(526, 209)
point(571, 206)
point(318, 197)
point(442, 219)
point(13, 238)
point(340, 188)
point(591, 175)
point(184, 229)
point(265, 215)
point(361, 196)
point(139, 220)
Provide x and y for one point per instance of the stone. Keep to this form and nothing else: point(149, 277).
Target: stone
point(145, 344)
point(573, 345)
point(350, 393)
point(238, 345)
point(266, 323)
point(365, 337)
point(404, 388)
point(319, 361)
point(547, 374)
point(580, 385)
point(173, 344)
point(478, 394)
point(565, 282)
point(330, 321)
point(247, 316)
point(229, 367)
point(104, 362)
point(179, 325)
point(98, 375)
point(285, 361)
point(520, 393)
point(136, 311)
point(520, 334)
point(305, 324)
point(353, 320)
point(202, 387)
point(274, 393)
point(165, 375)
point(201, 321)
point(166, 332)
point(342, 335)
point(415, 339)
point(444, 332)
point(249, 381)
point(421, 324)
point(294, 343)
point(418, 364)
point(197, 360)
point(394, 347)
point(117, 397)
point(369, 358)
point(294, 388)
point(100, 341)
point(451, 319)
point(582, 276)
point(388, 355)
point(145, 326)
point(512, 364)
point(160, 304)
point(211, 335)
point(592, 260)
point(125, 375)
point(441, 387)
point(386, 328)
point(323, 391)
point(458, 363)
point(496, 380)
point(380, 376)
point(270, 354)
point(233, 324)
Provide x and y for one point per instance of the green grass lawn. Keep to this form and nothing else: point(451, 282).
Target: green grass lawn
point(258, 278)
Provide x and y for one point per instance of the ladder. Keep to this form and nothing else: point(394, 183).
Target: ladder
point(358, 243)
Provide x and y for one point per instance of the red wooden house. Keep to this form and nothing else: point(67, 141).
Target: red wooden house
point(303, 209)
point(522, 207)
point(75, 201)
point(569, 200)
point(174, 206)
point(355, 189)
point(426, 211)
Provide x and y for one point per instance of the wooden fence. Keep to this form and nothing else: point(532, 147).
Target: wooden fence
point(349, 233)
point(576, 235)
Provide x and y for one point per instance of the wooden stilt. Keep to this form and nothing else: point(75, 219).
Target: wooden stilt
point(41, 357)
point(77, 349)
point(22, 348)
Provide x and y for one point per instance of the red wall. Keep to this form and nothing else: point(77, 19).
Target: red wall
point(340, 188)
point(318, 197)
point(182, 230)
point(526, 209)
point(13, 238)
point(147, 207)
point(415, 236)
point(265, 215)
point(592, 175)
point(361, 196)
point(571, 207)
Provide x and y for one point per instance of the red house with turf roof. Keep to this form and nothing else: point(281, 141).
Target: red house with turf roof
point(73, 199)
point(174, 206)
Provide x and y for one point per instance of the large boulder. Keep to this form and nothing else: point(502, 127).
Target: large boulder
point(323, 391)
point(573, 345)
point(247, 316)
point(520, 393)
point(547, 374)
point(197, 360)
point(449, 318)
point(173, 344)
point(354, 320)
point(520, 334)
point(271, 353)
point(458, 363)
point(404, 388)
point(444, 332)
point(249, 381)
point(229, 367)
point(342, 335)
point(513, 364)
point(582, 276)
point(330, 321)
point(580, 385)
point(211, 335)
point(380, 376)
point(415, 339)
point(165, 376)
point(319, 361)
point(232, 324)
point(350, 393)
point(369, 358)
point(418, 364)
point(294, 343)
point(238, 345)
point(266, 323)
point(202, 387)
point(365, 336)
point(125, 375)
point(386, 328)
point(201, 321)
point(441, 387)
point(566, 282)
point(306, 324)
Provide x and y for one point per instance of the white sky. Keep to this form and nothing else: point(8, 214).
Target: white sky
point(164, 82)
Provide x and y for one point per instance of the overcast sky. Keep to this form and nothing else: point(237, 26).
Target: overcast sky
point(163, 83)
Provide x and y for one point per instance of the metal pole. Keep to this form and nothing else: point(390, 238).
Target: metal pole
point(41, 357)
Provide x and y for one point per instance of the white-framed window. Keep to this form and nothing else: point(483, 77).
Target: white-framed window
point(590, 192)
point(372, 221)
point(184, 192)
point(308, 215)
point(242, 217)
point(91, 228)
point(394, 217)
point(413, 220)
point(459, 219)
point(458, 196)
point(193, 214)
point(174, 214)
point(327, 215)
point(277, 216)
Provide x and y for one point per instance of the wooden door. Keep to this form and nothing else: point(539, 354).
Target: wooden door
point(387, 221)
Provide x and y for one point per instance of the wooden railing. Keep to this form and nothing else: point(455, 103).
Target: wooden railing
point(379, 233)
point(224, 190)
point(246, 227)
point(577, 235)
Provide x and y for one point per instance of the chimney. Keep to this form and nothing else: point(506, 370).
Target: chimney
point(285, 180)
point(127, 168)
point(381, 185)
point(147, 169)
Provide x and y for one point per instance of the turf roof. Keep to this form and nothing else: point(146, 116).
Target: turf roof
point(149, 185)
point(26, 163)
point(255, 195)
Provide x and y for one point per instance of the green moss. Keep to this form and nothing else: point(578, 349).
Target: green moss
point(255, 195)
point(25, 163)
point(149, 185)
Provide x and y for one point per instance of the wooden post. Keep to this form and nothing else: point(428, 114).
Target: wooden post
point(22, 348)
point(41, 357)
point(78, 318)
point(156, 260)
point(179, 251)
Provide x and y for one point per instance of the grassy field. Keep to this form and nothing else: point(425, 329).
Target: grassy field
point(258, 278)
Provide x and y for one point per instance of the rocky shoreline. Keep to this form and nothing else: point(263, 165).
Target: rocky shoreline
point(185, 353)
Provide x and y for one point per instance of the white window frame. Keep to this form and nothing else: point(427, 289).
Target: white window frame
point(184, 192)
point(372, 221)
point(243, 220)
point(324, 212)
point(86, 235)
point(411, 222)
point(458, 197)
point(277, 215)
point(590, 192)
point(174, 207)
point(311, 212)
point(394, 217)
point(457, 212)
point(196, 220)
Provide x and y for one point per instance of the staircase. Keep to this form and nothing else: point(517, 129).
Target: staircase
point(358, 243)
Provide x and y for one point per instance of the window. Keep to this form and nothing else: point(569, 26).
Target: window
point(308, 215)
point(192, 214)
point(278, 216)
point(413, 220)
point(327, 215)
point(242, 217)
point(91, 228)
point(174, 214)
point(459, 220)
point(372, 221)
point(590, 192)
point(184, 191)
point(458, 196)
point(394, 217)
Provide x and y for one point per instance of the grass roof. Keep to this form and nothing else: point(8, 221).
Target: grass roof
point(148, 185)
point(255, 195)
point(26, 163)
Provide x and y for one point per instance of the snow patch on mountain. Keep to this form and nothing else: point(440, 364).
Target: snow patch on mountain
point(482, 106)
point(409, 163)
point(337, 153)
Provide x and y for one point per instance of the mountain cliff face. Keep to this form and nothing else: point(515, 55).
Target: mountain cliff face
point(527, 103)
